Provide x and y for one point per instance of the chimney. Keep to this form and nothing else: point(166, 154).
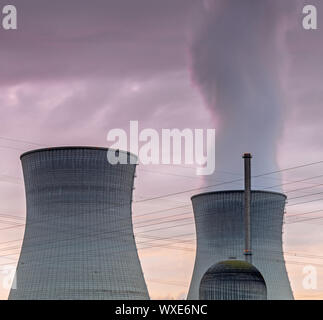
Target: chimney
point(247, 199)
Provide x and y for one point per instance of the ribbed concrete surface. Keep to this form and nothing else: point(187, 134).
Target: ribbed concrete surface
point(79, 241)
point(220, 235)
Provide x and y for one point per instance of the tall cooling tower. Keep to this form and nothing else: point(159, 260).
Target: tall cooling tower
point(79, 241)
point(219, 219)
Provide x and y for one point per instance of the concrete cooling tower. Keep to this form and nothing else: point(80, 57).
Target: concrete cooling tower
point(219, 219)
point(79, 241)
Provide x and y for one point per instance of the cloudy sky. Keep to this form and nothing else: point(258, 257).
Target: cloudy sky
point(76, 69)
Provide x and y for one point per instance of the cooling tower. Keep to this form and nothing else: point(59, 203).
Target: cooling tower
point(219, 219)
point(79, 241)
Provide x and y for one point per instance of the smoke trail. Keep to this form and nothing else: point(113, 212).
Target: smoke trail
point(236, 60)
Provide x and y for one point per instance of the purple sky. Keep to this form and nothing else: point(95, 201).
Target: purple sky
point(75, 69)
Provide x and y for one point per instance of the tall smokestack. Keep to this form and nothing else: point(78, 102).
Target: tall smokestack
point(247, 202)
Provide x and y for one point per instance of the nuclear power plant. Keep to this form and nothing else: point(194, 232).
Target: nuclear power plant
point(79, 241)
point(219, 220)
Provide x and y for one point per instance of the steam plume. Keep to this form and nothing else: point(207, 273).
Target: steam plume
point(236, 59)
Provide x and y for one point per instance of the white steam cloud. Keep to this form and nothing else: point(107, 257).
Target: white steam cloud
point(237, 56)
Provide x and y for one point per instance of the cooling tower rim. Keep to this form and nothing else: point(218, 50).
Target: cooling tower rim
point(74, 148)
point(237, 191)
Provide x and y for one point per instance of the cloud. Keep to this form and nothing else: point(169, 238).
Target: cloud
point(73, 39)
point(236, 63)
